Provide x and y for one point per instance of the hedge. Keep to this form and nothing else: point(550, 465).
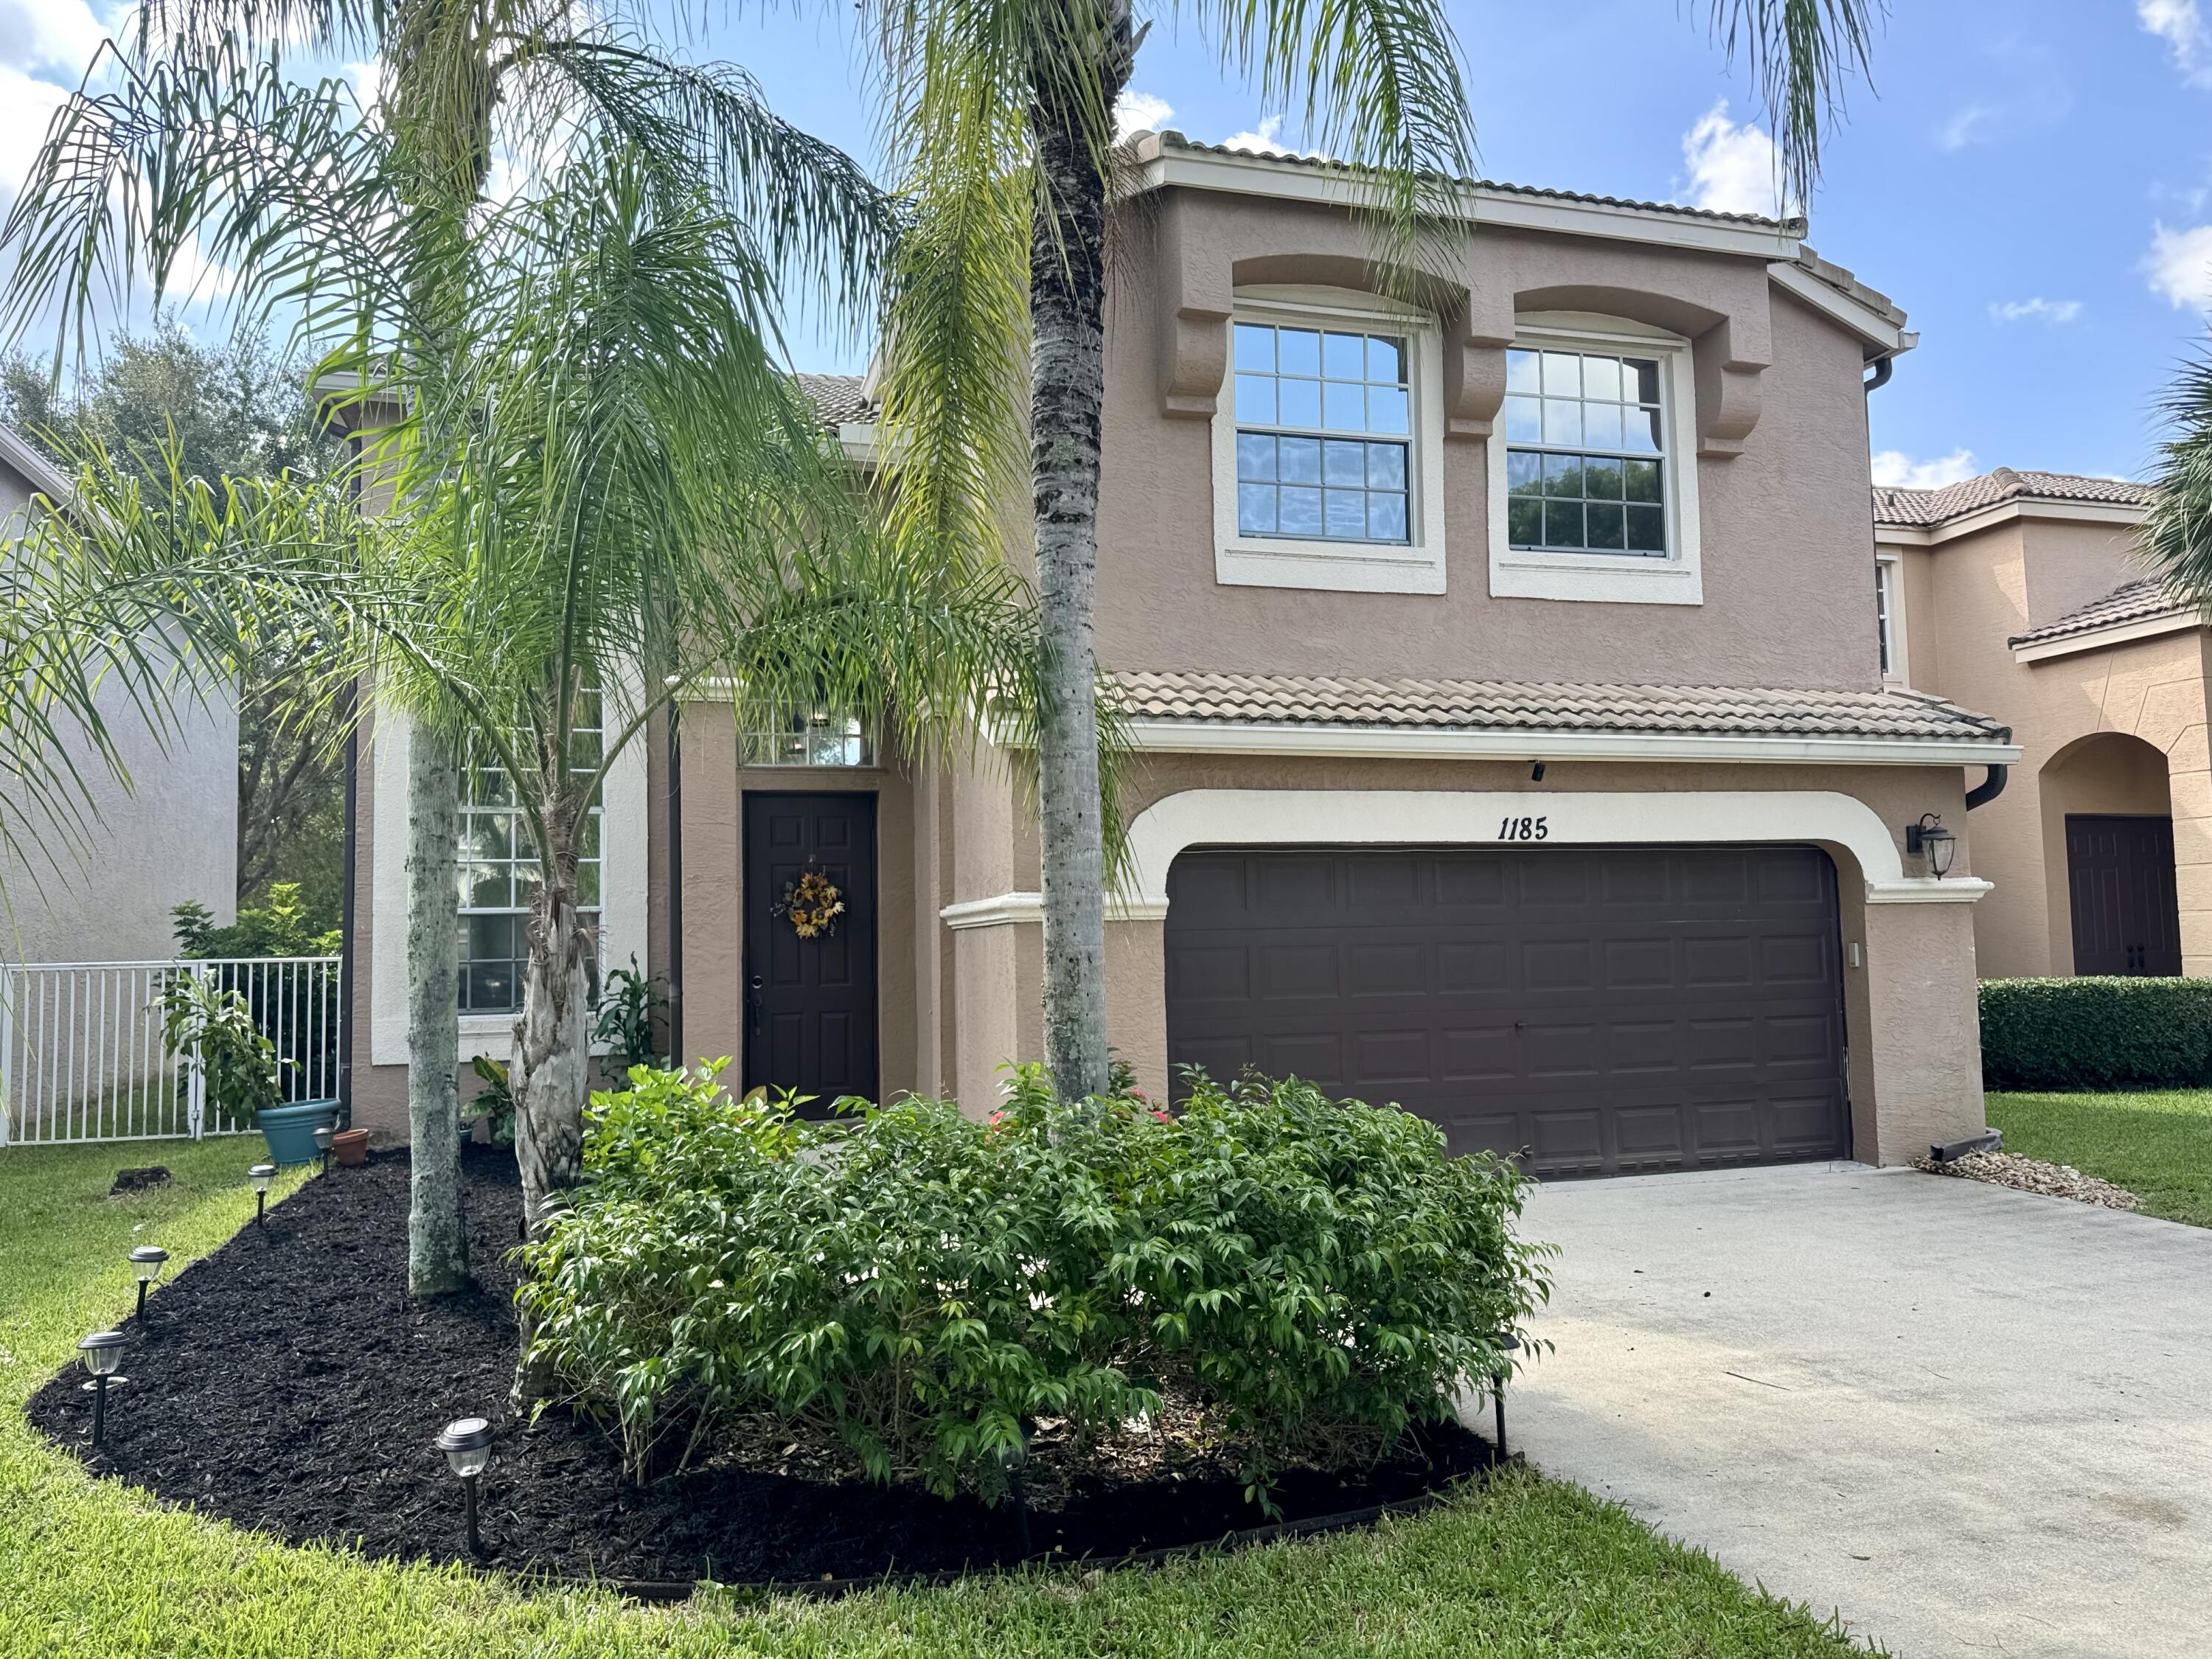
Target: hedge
point(2097, 1033)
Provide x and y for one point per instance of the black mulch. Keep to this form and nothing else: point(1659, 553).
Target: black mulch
point(287, 1385)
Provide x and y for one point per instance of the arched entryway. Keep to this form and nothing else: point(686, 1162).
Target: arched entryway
point(2108, 848)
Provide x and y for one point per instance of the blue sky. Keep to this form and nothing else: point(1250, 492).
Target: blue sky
point(2031, 180)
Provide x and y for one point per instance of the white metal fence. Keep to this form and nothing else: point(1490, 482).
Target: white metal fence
point(82, 1057)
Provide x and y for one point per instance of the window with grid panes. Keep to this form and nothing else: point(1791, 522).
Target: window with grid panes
point(498, 871)
point(1324, 420)
point(1585, 452)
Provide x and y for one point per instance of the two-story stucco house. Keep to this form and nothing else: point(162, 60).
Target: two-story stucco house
point(1514, 743)
point(2021, 593)
point(99, 887)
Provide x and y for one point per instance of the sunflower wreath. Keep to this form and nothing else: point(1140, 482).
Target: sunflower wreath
point(813, 904)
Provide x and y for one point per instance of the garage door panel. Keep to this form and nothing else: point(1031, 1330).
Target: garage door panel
point(1317, 1055)
point(1470, 968)
point(1464, 885)
point(1713, 964)
point(1280, 972)
point(1475, 1053)
point(1392, 1057)
point(1599, 1009)
point(1394, 969)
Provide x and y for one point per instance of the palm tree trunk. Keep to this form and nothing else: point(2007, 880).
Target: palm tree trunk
point(1067, 296)
point(437, 1242)
point(550, 1072)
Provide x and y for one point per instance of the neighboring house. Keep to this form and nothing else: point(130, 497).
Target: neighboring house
point(2020, 593)
point(1512, 744)
point(101, 889)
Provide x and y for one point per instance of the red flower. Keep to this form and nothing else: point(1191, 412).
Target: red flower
point(1162, 1115)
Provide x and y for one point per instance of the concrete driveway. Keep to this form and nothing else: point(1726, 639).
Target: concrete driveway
point(1972, 1421)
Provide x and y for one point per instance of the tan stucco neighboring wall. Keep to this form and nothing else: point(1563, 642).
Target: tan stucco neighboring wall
point(1786, 528)
point(1967, 598)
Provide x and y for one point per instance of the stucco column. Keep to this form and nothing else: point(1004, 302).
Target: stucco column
point(2189, 785)
point(1136, 997)
point(711, 911)
point(1924, 1019)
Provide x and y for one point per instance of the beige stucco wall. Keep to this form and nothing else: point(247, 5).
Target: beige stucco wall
point(1966, 597)
point(1785, 526)
point(96, 882)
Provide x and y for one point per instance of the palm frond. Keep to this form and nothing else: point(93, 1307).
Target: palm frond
point(1802, 54)
point(2177, 536)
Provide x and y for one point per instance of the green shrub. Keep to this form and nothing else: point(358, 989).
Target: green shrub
point(915, 1286)
point(214, 1029)
point(2097, 1033)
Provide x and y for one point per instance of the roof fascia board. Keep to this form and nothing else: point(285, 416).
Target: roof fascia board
point(43, 475)
point(1252, 175)
point(2098, 639)
point(2046, 508)
point(1255, 737)
point(1863, 320)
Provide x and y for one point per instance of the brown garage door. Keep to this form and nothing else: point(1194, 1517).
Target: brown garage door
point(1607, 1011)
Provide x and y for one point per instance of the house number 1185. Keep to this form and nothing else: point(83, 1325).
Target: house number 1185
point(1522, 830)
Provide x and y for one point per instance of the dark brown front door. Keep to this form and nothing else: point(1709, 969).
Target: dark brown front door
point(2119, 875)
point(1608, 1011)
point(811, 1003)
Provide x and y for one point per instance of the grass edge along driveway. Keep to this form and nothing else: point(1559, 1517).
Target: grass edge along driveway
point(1524, 1566)
point(2158, 1143)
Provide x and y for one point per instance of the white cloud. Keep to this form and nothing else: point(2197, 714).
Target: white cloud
point(1140, 112)
point(2179, 265)
point(27, 105)
point(1263, 142)
point(1969, 126)
point(2037, 310)
point(1733, 169)
point(57, 35)
point(1894, 470)
point(2181, 25)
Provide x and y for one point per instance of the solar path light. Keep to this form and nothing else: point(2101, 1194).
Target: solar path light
point(466, 1443)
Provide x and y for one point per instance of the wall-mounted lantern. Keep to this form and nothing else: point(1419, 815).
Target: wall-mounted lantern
point(1929, 839)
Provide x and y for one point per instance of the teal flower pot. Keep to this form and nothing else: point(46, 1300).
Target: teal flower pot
point(290, 1130)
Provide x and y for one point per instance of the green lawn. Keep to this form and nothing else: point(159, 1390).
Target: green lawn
point(2158, 1145)
point(1524, 1566)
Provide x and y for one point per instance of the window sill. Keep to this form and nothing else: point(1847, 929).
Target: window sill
point(1329, 567)
point(1596, 577)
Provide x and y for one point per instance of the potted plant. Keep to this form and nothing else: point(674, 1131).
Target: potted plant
point(239, 1065)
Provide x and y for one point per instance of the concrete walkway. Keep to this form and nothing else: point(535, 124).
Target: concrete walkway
point(1972, 1421)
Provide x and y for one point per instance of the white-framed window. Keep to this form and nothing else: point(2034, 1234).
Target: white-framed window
point(498, 871)
point(1593, 477)
point(1889, 617)
point(1327, 445)
point(805, 737)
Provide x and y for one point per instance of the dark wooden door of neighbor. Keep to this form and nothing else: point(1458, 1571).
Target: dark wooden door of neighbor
point(2119, 875)
point(811, 1003)
point(1603, 1011)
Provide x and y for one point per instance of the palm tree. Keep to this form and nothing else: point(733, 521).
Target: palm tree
point(615, 492)
point(1002, 112)
point(344, 221)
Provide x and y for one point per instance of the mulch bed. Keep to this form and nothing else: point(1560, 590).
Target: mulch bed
point(287, 1385)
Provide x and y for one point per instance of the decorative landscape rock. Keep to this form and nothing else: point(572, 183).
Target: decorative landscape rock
point(2033, 1175)
point(137, 1181)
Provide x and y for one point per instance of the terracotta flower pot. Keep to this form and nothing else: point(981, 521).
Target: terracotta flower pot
point(351, 1146)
